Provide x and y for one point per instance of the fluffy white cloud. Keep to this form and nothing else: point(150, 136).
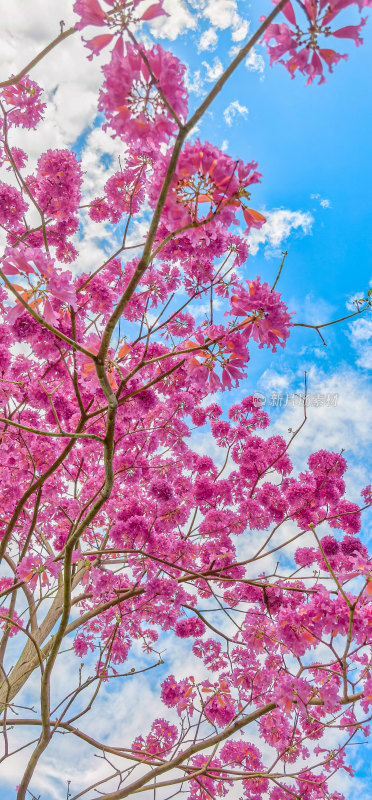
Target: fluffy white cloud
point(273, 381)
point(279, 226)
point(361, 330)
point(224, 14)
point(179, 22)
point(220, 12)
point(75, 761)
point(255, 62)
point(361, 338)
point(234, 109)
point(208, 40)
point(240, 30)
point(214, 71)
point(194, 83)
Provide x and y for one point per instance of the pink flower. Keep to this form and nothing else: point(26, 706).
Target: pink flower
point(99, 209)
point(58, 183)
point(211, 653)
point(117, 17)
point(305, 556)
point(351, 32)
point(267, 320)
point(82, 643)
point(221, 707)
point(323, 463)
point(125, 193)
point(299, 45)
point(130, 99)
point(44, 282)
point(288, 690)
point(191, 626)
point(159, 741)
point(12, 206)
point(161, 490)
point(179, 694)
point(202, 373)
point(26, 109)
point(181, 325)
point(367, 495)
point(6, 625)
point(28, 570)
point(330, 546)
point(347, 517)
point(367, 694)
point(206, 183)
point(214, 783)
point(19, 157)
point(90, 13)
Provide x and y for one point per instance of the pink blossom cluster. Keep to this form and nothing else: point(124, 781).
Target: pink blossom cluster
point(114, 15)
point(256, 570)
point(44, 287)
point(124, 192)
point(303, 44)
point(21, 107)
point(140, 85)
point(207, 183)
point(271, 321)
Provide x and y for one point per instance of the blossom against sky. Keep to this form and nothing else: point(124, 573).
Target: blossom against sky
point(313, 148)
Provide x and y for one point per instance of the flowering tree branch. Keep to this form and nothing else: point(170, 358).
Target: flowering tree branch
point(128, 530)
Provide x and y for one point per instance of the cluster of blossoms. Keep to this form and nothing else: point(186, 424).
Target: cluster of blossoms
point(206, 184)
point(116, 16)
point(124, 192)
point(45, 288)
point(106, 380)
point(303, 44)
point(54, 189)
point(22, 104)
point(137, 84)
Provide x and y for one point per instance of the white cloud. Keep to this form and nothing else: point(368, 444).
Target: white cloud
point(315, 310)
point(71, 85)
point(223, 14)
point(203, 309)
point(273, 381)
point(323, 202)
point(98, 148)
point(214, 71)
point(365, 359)
point(361, 330)
point(194, 83)
point(208, 40)
point(255, 62)
point(240, 31)
point(178, 23)
point(234, 109)
point(279, 226)
point(361, 339)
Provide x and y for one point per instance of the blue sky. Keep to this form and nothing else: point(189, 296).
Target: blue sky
point(313, 148)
